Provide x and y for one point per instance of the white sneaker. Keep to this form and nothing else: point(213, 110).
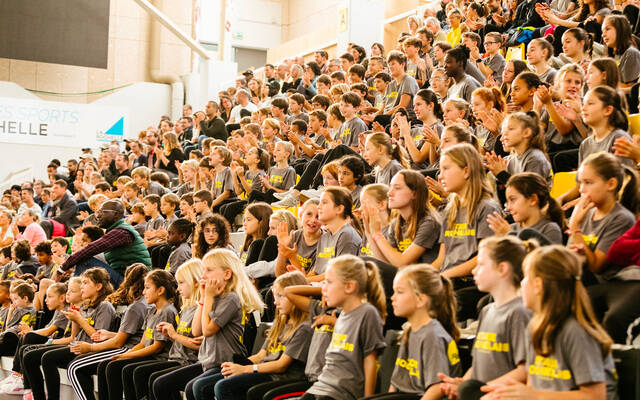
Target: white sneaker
point(9, 380)
point(312, 193)
point(282, 195)
point(16, 388)
point(290, 201)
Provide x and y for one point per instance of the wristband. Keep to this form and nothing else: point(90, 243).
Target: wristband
point(255, 368)
point(201, 304)
point(60, 270)
point(49, 341)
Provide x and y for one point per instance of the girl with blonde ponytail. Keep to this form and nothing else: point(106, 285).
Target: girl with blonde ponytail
point(428, 347)
point(351, 360)
point(569, 351)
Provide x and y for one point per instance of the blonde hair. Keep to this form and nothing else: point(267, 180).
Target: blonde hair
point(297, 316)
point(379, 191)
point(142, 172)
point(423, 279)
point(477, 187)
point(339, 89)
point(123, 180)
point(224, 153)
point(288, 147)
point(172, 142)
point(286, 216)
point(239, 283)
point(191, 271)
point(366, 276)
point(95, 198)
point(189, 164)
point(563, 296)
point(273, 123)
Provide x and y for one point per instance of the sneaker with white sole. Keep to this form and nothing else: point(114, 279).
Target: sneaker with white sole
point(27, 396)
point(282, 195)
point(10, 381)
point(312, 193)
point(14, 388)
point(290, 201)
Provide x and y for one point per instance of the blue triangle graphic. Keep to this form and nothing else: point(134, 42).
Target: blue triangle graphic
point(117, 129)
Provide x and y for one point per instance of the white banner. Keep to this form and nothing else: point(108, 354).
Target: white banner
point(61, 124)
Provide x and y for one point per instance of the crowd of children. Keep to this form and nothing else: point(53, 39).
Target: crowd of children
point(417, 189)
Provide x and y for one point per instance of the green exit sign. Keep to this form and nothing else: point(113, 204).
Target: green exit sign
point(238, 35)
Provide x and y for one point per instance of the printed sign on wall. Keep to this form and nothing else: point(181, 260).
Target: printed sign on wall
point(60, 124)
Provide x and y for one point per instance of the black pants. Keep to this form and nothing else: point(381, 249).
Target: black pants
point(159, 255)
point(256, 196)
point(168, 385)
point(216, 209)
point(309, 396)
point(231, 210)
point(284, 391)
point(25, 343)
point(258, 392)
point(32, 356)
point(616, 306)
point(468, 296)
point(135, 377)
point(387, 275)
point(8, 344)
point(564, 161)
point(110, 383)
point(394, 396)
point(470, 390)
point(51, 361)
point(262, 250)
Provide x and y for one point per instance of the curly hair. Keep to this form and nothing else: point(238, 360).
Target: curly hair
point(131, 287)
point(222, 227)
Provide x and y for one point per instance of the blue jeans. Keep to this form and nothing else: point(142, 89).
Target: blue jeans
point(114, 276)
point(201, 387)
point(235, 387)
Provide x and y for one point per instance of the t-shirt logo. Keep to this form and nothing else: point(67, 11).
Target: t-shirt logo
point(275, 179)
point(410, 365)
point(183, 327)
point(304, 261)
point(90, 321)
point(590, 239)
point(328, 252)
point(345, 132)
point(547, 368)
point(218, 184)
point(460, 230)
point(487, 341)
point(404, 244)
point(392, 95)
point(28, 319)
point(452, 353)
point(148, 333)
point(339, 342)
point(276, 348)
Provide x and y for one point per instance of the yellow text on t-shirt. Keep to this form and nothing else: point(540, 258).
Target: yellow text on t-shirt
point(460, 230)
point(339, 341)
point(410, 365)
point(328, 252)
point(547, 368)
point(487, 341)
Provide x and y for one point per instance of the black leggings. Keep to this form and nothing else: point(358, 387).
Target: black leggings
point(256, 196)
point(112, 372)
point(262, 250)
point(309, 396)
point(283, 391)
point(32, 355)
point(231, 210)
point(26, 342)
point(394, 396)
point(51, 361)
point(135, 377)
point(168, 385)
point(616, 305)
point(8, 344)
point(470, 390)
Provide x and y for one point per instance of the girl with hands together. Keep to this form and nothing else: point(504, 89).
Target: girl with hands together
point(298, 249)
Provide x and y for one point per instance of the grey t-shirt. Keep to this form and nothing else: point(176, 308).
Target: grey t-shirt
point(151, 334)
point(177, 257)
point(385, 174)
point(356, 335)
point(629, 64)
point(576, 360)
point(319, 343)
point(133, 321)
point(549, 76)
point(532, 160)
point(3, 316)
point(500, 343)
point(227, 314)
point(548, 228)
point(282, 178)
point(253, 179)
point(223, 181)
point(426, 236)
point(600, 234)
point(99, 317)
point(551, 134)
point(349, 133)
point(461, 240)
point(45, 270)
point(178, 350)
point(59, 321)
point(169, 220)
point(408, 85)
point(463, 89)
point(306, 253)
point(497, 64)
point(590, 145)
point(23, 314)
point(296, 346)
point(428, 351)
point(345, 241)
point(155, 223)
